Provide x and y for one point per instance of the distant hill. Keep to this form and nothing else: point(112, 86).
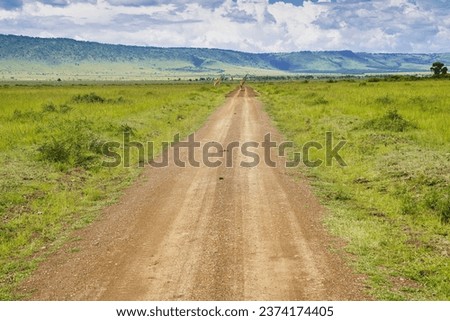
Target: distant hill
point(39, 58)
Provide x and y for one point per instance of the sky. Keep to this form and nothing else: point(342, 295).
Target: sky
point(415, 26)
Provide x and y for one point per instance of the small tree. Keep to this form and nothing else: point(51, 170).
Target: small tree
point(439, 69)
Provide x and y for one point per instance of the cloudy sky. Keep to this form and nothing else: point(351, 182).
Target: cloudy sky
point(246, 25)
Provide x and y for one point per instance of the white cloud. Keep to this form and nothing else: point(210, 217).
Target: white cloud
point(248, 25)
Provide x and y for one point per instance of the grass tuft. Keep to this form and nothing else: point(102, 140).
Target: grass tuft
point(91, 98)
point(390, 121)
point(70, 144)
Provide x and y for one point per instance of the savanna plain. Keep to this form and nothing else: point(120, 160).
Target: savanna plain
point(389, 207)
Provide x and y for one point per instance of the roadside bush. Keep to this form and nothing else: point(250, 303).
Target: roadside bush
point(56, 151)
point(71, 145)
point(391, 121)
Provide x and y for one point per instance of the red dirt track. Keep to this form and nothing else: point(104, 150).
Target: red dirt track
point(201, 233)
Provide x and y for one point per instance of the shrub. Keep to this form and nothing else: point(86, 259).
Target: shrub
point(57, 151)
point(320, 101)
point(64, 109)
point(91, 98)
point(71, 145)
point(391, 121)
point(49, 108)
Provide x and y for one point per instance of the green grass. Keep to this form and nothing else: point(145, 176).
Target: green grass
point(51, 178)
point(391, 204)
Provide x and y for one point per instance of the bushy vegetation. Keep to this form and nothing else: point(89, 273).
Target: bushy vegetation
point(88, 98)
point(71, 144)
point(390, 121)
point(391, 203)
point(52, 180)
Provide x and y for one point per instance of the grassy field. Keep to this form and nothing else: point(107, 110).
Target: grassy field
point(391, 204)
point(51, 178)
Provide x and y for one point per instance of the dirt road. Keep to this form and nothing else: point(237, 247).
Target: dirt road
point(203, 233)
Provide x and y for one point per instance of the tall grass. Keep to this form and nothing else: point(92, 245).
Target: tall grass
point(392, 202)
